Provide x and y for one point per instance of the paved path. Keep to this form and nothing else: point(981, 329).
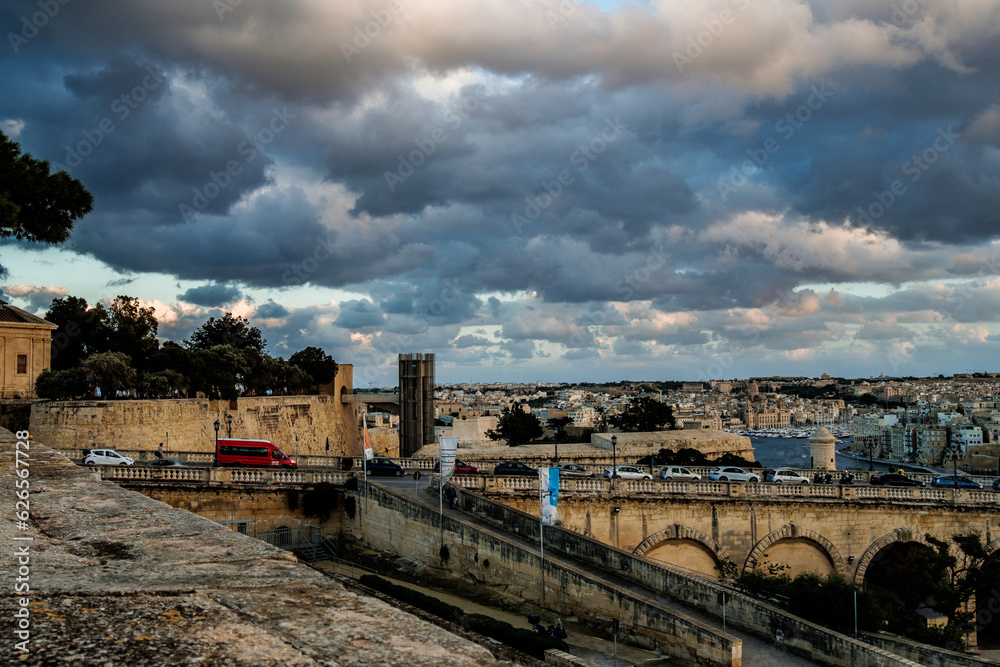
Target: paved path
point(756, 651)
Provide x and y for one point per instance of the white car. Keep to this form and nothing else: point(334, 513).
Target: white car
point(106, 457)
point(733, 474)
point(626, 472)
point(785, 476)
point(678, 474)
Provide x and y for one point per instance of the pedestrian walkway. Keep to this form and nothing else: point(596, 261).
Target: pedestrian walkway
point(756, 651)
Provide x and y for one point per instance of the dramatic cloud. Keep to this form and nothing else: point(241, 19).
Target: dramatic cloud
point(531, 190)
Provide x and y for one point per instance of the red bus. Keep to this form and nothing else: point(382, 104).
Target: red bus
point(239, 453)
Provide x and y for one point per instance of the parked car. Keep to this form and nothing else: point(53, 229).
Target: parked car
point(574, 470)
point(514, 468)
point(380, 465)
point(733, 474)
point(893, 479)
point(678, 474)
point(461, 468)
point(626, 472)
point(955, 481)
point(106, 457)
point(996, 484)
point(166, 463)
point(785, 476)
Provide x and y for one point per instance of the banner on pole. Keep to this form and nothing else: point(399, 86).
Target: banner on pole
point(548, 481)
point(449, 450)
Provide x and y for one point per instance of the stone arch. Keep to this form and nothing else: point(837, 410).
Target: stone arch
point(898, 535)
point(678, 532)
point(795, 531)
point(685, 548)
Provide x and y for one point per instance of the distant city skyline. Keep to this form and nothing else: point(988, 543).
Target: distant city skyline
point(534, 192)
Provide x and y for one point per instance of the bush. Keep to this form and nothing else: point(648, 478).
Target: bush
point(63, 385)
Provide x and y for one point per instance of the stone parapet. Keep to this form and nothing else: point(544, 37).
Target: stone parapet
point(113, 577)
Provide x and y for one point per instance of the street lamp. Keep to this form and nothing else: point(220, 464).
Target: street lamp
point(871, 454)
point(614, 456)
point(954, 452)
point(229, 426)
point(555, 438)
point(216, 442)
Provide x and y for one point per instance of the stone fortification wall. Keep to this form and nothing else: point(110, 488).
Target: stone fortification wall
point(711, 442)
point(391, 523)
point(297, 424)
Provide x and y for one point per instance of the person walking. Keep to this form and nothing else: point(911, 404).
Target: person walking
point(452, 496)
point(159, 451)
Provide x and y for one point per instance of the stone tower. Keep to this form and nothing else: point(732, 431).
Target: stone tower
point(416, 402)
point(823, 448)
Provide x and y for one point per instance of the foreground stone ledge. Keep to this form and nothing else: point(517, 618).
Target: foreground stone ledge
point(121, 579)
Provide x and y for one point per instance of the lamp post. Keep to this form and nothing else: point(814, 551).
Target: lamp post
point(216, 442)
point(954, 452)
point(555, 438)
point(229, 426)
point(871, 454)
point(614, 456)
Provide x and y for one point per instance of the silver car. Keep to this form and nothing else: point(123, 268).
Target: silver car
point(733, 474)
point(678, 474)
point(626, 472)
point(106, 457)
point(574, 470)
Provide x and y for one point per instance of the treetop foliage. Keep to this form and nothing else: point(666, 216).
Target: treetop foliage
point(36, 205)
point(516, 426)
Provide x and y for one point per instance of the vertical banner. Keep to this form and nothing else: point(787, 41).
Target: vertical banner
point(448, 450)
point(548, 482)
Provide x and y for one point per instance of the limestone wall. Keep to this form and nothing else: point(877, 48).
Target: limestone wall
point(711, 442)
point(297, 424)
point(394, 524)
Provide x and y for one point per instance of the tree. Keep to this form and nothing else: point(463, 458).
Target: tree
point(132, 330)
point(318, 364)
point(82, 331)
point(111, 372)
point(34, 204)
point(559, 424)
point(63, 384)
point(516, 426)
point(644, 414)
point(230, 330)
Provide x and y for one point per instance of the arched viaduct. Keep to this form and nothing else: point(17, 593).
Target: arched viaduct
point(824, 535)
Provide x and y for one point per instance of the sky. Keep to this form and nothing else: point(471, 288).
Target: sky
point(532, 190)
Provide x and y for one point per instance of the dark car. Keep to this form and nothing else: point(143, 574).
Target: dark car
point(514, 468)
point(996, 484)
point(955, 481)
point(166, 463)
point(380, 465)
point(893, 479)
point(461, 468)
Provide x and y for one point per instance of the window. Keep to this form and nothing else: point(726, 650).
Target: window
point(22, 364)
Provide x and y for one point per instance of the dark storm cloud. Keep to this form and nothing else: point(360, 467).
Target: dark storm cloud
point(211, 295)
point(359, 315)
point(567, 178)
